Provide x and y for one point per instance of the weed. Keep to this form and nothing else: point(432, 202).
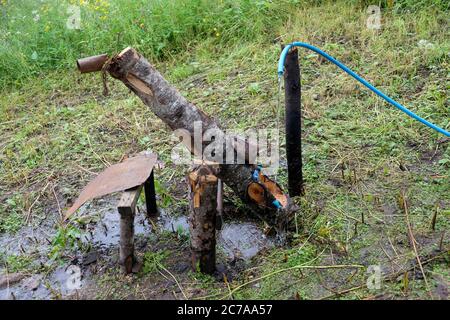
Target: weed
point(153, 261)
point(11, 219)
point(66, 237)
point(18, 263)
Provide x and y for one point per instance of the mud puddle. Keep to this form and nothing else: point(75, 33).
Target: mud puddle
point(28, 240)
point(243, 240)
point(236, 240)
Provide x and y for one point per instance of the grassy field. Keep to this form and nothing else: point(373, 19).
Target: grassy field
point(362, 157)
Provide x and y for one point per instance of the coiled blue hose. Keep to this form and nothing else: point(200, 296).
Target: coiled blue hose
point(358, 78)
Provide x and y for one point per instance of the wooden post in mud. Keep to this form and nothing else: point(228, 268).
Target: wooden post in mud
point(292, 89)
point(127, 209)
point(202, 218)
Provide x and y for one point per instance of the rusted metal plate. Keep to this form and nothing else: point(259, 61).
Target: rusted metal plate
point(125, 175)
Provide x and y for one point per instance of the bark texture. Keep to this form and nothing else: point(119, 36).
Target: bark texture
point(202, 218)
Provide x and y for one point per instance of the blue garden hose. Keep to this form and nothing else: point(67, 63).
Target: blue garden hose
point(358, 78)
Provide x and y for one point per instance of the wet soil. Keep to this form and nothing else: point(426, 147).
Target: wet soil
point(237, 242)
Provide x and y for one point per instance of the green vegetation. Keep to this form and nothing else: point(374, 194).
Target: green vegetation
point(17, 263)
point(12, 220)
point(67, 237)
point(153, 261)
point(359, 153)
point(35, 37)
point(160, 29)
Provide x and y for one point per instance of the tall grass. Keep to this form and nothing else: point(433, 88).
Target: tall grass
point(405, 5)
point(34, 36)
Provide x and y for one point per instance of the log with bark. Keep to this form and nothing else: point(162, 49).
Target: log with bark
point(202, 218)
point(177, 112)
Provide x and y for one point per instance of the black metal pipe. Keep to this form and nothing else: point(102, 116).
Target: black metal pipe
point(292, 91)
point(219, 220)
point(150, 196)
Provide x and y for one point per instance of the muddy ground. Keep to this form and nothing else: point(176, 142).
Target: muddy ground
point(163, 246)
point(238, 242)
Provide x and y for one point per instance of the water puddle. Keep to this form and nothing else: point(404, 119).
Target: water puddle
point(106, 232)
point(28, 240)
point(243, 240)
point(237, 240)
point(173, 224)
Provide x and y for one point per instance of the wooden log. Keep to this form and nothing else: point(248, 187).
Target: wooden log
point(202, 219)
point(169, 105)
point(293, 123)
point(127, 209)
point(150, 196)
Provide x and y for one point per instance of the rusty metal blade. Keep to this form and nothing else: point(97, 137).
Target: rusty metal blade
point(125, 175)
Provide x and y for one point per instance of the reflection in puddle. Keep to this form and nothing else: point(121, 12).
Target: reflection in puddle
point(106, 232)
point(173, 224)
point(242, 240)
point(237, 240)
point(30, 240)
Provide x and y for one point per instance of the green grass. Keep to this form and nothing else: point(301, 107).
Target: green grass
point(359, 153)
point(17, 263)
point(158, 28)
point(12, 219)
point(153, 261)
point(35, 36)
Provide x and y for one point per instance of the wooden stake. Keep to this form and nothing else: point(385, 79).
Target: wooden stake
point(127, 208)
point(202, 219)
point(433, 219)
